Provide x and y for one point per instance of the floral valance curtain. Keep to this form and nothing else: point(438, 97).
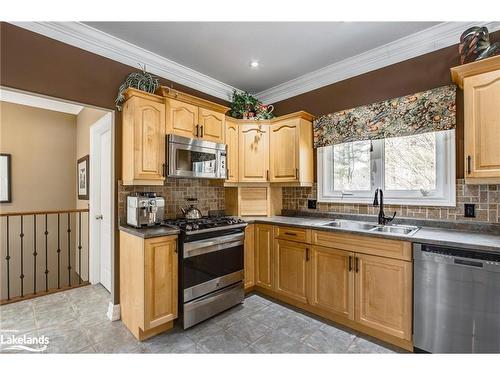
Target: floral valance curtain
point(427, 111)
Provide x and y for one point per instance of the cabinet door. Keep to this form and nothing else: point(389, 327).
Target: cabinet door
point(149, 140)
point(264, 255)
point(482, 126)
point(160, 281)
point(284, 151)
point(211, 125)
point(253, 152)
point(290, 265)
point(249, 256)
point(332, 281)
point(182, 118)
point(232, 150)
point(383, 296)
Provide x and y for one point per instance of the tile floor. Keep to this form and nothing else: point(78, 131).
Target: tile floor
point(75, 322)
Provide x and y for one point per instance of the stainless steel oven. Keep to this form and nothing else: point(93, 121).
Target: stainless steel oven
point(190, 158)
point(211, 273)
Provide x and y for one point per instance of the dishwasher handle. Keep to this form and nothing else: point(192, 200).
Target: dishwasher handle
point(466, 262)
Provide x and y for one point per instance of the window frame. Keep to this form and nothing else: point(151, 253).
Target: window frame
point(444, 196)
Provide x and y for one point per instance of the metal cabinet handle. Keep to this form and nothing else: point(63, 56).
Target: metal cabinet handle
point(296, 173)
point(356, 264)
point(469, 159)
point(307, 254)
point(267, 175)
point(197, 129)
point(201, 131)
point(163, 170)
point(290, 233)
point(350, 263)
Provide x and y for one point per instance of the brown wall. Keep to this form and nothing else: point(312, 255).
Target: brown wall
point(35, 63)
point(418, 74)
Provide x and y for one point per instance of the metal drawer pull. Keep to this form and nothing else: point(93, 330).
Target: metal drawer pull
point(350, 263)
point(290, 233)
point(469, 158)
point(307, 254)
point(356, 264)
point(197, 130)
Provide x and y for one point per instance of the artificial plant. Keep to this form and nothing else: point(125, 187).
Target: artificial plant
point(142, 80)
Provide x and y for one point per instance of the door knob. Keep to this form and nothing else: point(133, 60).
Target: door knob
point(98, 217)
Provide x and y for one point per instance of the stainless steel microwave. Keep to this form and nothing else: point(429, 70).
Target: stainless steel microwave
point(195, 158)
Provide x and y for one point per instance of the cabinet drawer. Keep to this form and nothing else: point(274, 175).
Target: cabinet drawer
point(292, 234)
point(362, 244)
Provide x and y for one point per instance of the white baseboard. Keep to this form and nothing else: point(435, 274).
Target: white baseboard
point(113, 312)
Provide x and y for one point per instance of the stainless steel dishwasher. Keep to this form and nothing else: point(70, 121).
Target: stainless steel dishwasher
point(456, 300)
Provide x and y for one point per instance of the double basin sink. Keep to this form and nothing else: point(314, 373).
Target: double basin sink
point(407, 230)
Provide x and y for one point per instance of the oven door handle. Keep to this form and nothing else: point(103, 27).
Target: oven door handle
point(195, 248)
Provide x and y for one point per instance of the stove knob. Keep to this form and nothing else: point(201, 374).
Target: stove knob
point(189, 227)
point(196, 226)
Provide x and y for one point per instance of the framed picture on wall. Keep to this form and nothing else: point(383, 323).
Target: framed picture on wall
point(5, 178)
point(83, 177)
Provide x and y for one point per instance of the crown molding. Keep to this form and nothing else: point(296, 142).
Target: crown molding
point(428, 40)
point(87, 38)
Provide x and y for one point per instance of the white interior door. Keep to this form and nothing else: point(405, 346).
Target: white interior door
point(101, 202)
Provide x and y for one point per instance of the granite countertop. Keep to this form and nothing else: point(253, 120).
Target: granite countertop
point(150, 232)
point(428, 235)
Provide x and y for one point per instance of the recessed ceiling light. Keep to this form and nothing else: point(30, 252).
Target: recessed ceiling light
point(254, 64)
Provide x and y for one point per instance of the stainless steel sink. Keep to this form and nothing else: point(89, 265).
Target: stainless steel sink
point(350, 224)
point(396, 229)
point(407, 230)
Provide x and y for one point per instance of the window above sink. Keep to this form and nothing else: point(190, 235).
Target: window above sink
point(412, 170)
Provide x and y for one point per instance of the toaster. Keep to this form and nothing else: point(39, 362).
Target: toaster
point(145, 209)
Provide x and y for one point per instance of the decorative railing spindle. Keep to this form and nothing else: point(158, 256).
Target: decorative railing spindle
point(69, 249)
point(7, 258)
point(21, 276)
point(46, 233)
point(34, 254)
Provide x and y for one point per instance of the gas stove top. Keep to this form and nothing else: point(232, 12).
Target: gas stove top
point(206, 224)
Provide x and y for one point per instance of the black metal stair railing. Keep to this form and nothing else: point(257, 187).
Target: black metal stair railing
point(46, 232)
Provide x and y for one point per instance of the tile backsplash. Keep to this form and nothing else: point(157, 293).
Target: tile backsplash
point(175, 191)
point(485, 197)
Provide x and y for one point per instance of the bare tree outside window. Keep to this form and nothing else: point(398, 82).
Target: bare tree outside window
point(410, 162)
point(351, 166)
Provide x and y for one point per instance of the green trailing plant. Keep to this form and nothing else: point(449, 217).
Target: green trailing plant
point(142, 80)
point(245, 105)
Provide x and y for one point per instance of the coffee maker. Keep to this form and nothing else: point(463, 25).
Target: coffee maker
point(145, 209)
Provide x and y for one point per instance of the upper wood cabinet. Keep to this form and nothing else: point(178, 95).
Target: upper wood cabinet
point(232, 150)
point(143, 139)
point(480, 81)
point(290, 269)
point(264, 262)
point(332, 281)
point(253, 152)
point(148, 283)
point(212, 125)
point(182, 118)
point(193, 117)
point(384, 294)
point(291, 149)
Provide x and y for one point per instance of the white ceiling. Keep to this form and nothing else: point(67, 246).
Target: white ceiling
point(285, 51)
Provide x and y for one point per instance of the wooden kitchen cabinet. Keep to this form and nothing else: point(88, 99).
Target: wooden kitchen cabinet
point(332, 281)
point(143, 139)
point(291, 150)
point(232, 149)
point(212, 125)
point(480, 81)
point(249, 261)
point(383, 297)
point(182, 118)
point(264, 262)
point(148, 284)
point(193, 117)
point(253, 152)
point(291, 269)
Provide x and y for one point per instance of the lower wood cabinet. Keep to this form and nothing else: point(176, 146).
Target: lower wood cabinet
point(148, 284)
point(264, 262)
point(290, 269)
point(249, 260)
point(384, 294)
point(332, 281)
